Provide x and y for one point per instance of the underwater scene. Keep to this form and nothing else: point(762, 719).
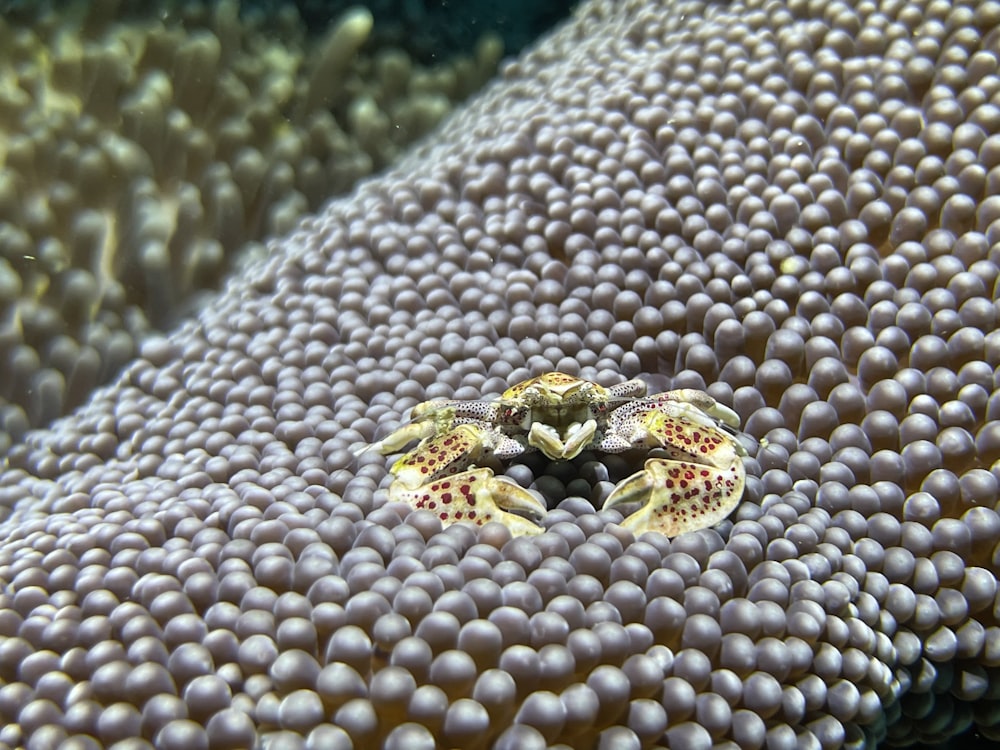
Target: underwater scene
point(430, 374)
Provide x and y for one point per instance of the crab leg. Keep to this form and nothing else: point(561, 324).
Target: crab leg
point(440, 475)
point(399, 439)
point(427, 422)
point(678, 496)
point(660, 421)
point(475, 496)
point(706, 404)
point(701, 481)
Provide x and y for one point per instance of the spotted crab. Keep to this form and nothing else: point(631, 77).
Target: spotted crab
point(697, 484)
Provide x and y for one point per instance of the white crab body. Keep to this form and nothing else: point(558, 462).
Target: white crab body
point(697, 485)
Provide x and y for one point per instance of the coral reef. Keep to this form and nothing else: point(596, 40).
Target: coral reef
point(139, 153)
point(793, 206)
point(436, 30)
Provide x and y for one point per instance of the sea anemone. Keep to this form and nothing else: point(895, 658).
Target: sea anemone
point(791, 205)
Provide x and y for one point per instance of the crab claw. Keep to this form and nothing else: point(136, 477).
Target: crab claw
point(475, 496)
point(679, 496)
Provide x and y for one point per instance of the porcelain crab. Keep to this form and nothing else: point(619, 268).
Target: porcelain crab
point(697, 484)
